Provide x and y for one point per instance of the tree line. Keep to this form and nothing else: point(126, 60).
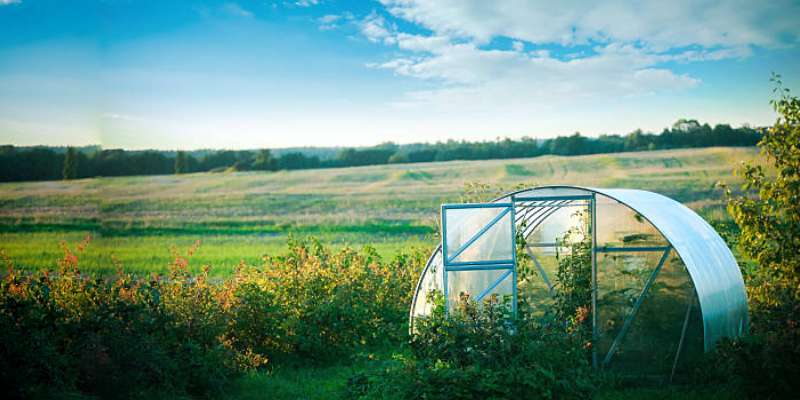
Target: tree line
point(49, 163)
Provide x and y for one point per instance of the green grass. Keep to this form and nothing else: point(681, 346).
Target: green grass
point(670, 393)
point(245, 215)
point(145, 254)
point(311, 383)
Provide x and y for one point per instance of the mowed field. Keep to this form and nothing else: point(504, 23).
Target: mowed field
point(242, 216)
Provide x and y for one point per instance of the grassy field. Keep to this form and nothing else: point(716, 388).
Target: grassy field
point(134, 221)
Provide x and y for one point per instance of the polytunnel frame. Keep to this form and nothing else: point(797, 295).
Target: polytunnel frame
point(718, 285)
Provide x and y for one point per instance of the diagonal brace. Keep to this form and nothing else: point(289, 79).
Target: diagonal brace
point(632, 314)
point(491, 287)
point(541, 270)
point(478, 234)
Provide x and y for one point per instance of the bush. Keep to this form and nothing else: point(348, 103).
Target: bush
point(768, 214)
point(481, 351)
point(326, 304)
point(115, 339)
point(126, 336)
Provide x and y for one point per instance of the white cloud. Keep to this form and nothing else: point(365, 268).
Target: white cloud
point(9, 2)
point(330, 18)
point(375, 29)
point(306, 3)
point(473, 79)
point(659, 24)
point(614, 49)
point(433, 44)
point(236, 10)
point(333, 21)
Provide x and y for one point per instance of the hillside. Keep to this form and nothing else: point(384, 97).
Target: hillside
point(245, 214)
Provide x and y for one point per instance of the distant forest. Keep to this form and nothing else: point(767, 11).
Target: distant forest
point(52, 163)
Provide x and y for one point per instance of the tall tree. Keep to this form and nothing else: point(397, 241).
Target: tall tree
point(180, 162)
point(70, 170)
point(264, 161)
point(768, 214)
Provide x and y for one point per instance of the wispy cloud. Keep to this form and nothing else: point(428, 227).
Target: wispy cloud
point(330, 18)
point(333, 21)
point(609, 50)
point(662, 25)
point(236, 10)
point(9, 2)
point(375, 28)
point(306, 3)
point(121, 117)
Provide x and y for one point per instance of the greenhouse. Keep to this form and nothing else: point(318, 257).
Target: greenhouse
point(664, 285)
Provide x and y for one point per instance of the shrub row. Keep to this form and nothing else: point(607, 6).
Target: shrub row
point(181, 333)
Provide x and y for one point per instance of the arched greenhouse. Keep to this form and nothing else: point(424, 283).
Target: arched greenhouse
point(665, 287)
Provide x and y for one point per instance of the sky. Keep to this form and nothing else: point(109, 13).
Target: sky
point(190, 74)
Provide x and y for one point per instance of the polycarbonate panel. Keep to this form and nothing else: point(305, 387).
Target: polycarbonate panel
point(535, 297)
point(430, 280)
point(620, 226)
point(653, 340)
point(711, 265)
point(714, 272)
point(559, 221)
point(620, 279)
point(473, 283)
point(469, 240)
point(553, 191)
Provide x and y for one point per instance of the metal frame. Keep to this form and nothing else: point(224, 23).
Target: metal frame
point(683, 337)
point(566, 201)
point(510, 265)
point(638, 304)
point(587, 197)
point(541, 270)
point(592, 205)
point(712, 269)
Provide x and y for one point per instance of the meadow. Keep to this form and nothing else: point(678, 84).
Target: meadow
point(242, 216)
point(178, 225)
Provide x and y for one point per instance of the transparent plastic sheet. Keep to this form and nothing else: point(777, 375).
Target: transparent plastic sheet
point(559, 221)
point(535, 295)
point(710, 263)
point(466, 224)
point(651, 344)
point(620, 226)
point(473, 283)
point(631, 218)
point(620, 280)
point(430, 280)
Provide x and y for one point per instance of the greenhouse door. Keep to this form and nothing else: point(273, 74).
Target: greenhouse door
point(479, 252)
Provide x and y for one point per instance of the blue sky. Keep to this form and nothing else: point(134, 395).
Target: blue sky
point(248, 73)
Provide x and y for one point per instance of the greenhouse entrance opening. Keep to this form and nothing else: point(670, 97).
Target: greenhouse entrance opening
point(664, 285)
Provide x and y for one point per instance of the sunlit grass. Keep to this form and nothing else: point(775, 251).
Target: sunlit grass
point(243, 216)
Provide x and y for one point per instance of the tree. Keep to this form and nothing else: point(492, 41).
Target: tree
point(180, 162)
point(70, 170)
point(398, 158)
point(685, 125)
point(768, 214)
point(264, 161)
